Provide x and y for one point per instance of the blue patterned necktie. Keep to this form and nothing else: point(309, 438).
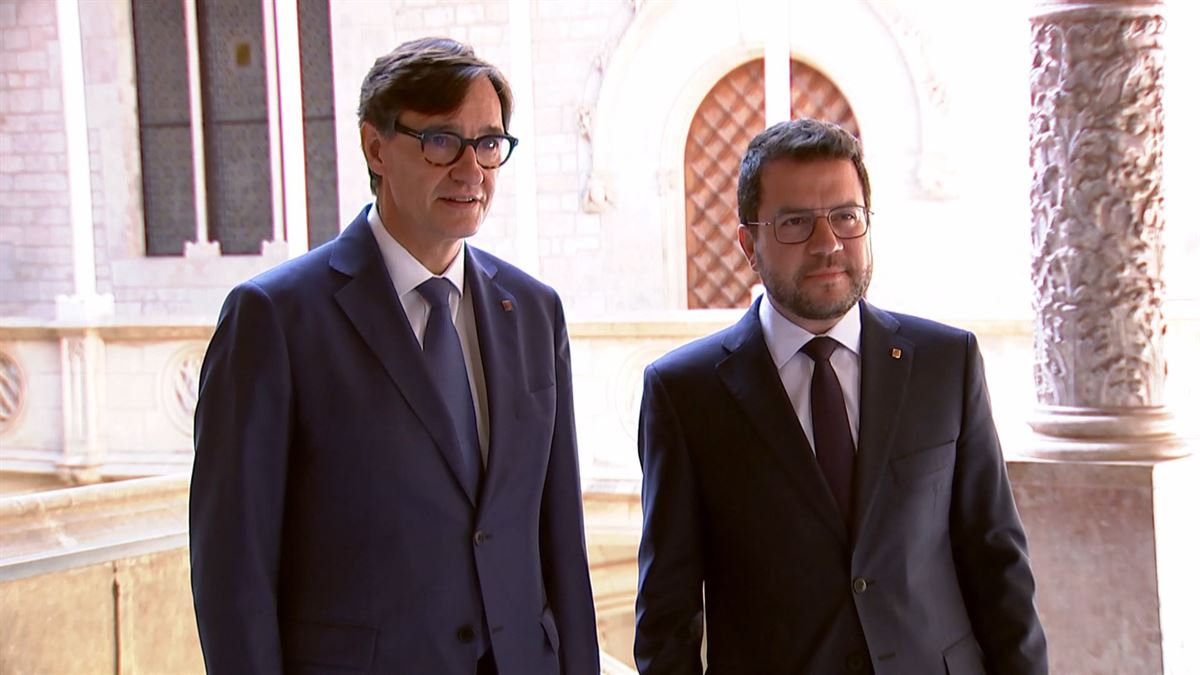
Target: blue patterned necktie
point(444, 352)
point(830, 425)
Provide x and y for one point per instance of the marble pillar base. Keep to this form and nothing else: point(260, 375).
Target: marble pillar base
point(1065, 433)
point(1113, 552)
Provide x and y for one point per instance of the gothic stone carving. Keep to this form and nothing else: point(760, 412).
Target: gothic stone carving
point(1096, 152)
point(181, 386)
point(12, 391)
point(936, 170)
point(83, 387)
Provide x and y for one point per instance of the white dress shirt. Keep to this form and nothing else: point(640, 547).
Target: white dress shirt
point(407, 273)
point(784, 340)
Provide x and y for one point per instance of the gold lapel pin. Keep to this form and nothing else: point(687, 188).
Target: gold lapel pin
point(507, 305)
point(896, 352)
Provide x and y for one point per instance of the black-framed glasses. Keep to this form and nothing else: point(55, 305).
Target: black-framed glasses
point(797, 227)
point(442, 148)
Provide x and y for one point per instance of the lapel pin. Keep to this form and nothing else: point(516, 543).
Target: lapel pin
point(896, 352)
point(507, 305)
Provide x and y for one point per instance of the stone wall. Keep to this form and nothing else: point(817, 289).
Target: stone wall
point(35, 222)
point(592, 200)
point(128, 616)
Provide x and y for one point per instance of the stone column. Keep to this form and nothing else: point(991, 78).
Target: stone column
point(1106, 504)
point(524, 224)
point(82, 353)
point(202, 247)
point(1096, 140)
point(84, 304)
point(293, 175)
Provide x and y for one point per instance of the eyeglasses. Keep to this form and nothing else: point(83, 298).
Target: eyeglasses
point(797, 227)
point(442, 148)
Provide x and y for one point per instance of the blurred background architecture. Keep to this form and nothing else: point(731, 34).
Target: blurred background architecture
point(1033, 168)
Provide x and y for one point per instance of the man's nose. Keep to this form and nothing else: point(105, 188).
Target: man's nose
point(467, 169)
point(823, 240)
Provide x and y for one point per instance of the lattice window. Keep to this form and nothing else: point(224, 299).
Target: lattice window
point(165, 126)
point(320, 151)
point(233, 81)
point(237, 150)
point(731, 115)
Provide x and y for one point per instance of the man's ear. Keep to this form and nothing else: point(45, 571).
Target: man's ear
point(372, 146)
point(746, 240)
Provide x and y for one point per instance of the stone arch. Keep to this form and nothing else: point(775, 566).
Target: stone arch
point(657, 74)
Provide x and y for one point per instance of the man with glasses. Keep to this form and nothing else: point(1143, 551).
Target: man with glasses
point(824, 489)
point(386, 477)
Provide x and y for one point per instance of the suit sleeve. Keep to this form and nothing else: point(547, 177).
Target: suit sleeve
point(563, 546)
point(990, 550)
point(670, 607)
point(242, 433)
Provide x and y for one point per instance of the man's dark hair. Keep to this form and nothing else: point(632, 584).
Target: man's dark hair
point(429, 76)
point(801, 139)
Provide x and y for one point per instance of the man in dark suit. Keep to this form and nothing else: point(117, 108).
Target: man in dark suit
point(894, 547)
point(386, 477)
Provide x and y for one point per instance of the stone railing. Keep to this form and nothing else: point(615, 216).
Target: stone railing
point(94, 579)
point(52, 531)
point(106, 566)
point(97, 402)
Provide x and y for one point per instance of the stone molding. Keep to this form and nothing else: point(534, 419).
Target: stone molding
point(1113, 434)
point(110, 330)
point(936, 172)
point(598, 192)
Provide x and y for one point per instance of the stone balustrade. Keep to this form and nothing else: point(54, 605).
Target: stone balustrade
point(91, 402)
point(105, 567)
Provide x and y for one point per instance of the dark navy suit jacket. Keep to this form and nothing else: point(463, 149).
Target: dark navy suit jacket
point(933, 576)
point(330, 529)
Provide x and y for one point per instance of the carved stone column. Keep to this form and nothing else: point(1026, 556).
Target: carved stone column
point(1096, 140)
point(1108, 506)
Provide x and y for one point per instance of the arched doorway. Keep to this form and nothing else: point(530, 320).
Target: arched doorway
point(725, 121)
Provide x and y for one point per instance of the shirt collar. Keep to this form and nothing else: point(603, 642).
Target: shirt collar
point(405, 270)
point(785, 338)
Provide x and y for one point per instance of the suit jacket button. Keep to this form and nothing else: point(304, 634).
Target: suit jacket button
point(859, 585)
point(855, 662)
point(465, 634)
point(479, 537)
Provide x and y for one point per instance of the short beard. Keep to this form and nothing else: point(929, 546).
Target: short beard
point(789, 295)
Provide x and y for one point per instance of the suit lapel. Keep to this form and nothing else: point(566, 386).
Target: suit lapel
point(886, 365)
point(369, 301)
point(496, 326)
point(749, 374)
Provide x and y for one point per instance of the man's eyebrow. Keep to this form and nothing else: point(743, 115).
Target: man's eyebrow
point(491, 130)
point(793, 209)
